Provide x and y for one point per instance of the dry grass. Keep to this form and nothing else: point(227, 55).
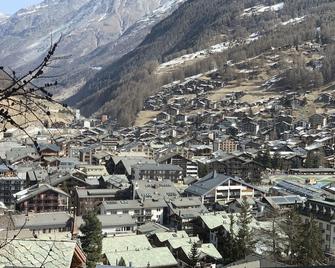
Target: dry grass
point(144, 117)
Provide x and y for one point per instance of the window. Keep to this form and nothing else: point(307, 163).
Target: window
point(327, 237)
point(328, 227)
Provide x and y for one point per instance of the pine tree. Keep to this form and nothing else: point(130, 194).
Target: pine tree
point(122, 262)
point(273, 235)
point(228, 243)
point(91, 239)
point(292, 228)
point(194, 254)
point(313, 160)
point(245, 240)
point(276, 161)
point(310, 252)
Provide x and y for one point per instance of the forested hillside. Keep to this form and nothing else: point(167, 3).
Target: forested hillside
point(250, 28)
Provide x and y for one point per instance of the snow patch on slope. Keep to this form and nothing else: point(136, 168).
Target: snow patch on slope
point(197, 55)
point(294, 21)
point(202, 54)
point(3, 18)
point(259, 9)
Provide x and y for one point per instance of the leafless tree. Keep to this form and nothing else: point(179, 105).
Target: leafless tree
point(26, 98)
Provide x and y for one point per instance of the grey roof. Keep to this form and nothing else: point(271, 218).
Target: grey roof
point(155, 189)
point(16, 154)
point(34, 190)
point(42, 220)
point(34, 253)
point(113, 220)
point(133, 204)
point(284, 200)
point(117, 181)
point(187, 207)
point(186, 202)
point(92, 193)
point(128, 162)
point(157, 167)
point(211, 181)
point(37, 174)
point(57, 178)
point(47, 146)
point(300, 189)
point(150, 228)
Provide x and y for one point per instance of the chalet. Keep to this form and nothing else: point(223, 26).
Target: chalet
point(11, 182)
point(151, 189)
point(124, 164)
point(90, 199)
point(163, 116)
point(157, 172)
point(318, 120)
point(237, 165)
point(183, 211)
point(218, 187)
point(49, 150)
point(189, 167)
point(41, 198)
point(142, 210)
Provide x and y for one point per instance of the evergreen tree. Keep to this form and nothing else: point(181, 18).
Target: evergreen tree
point(276, 161)
point(310, 252)
point(273, 235)
point(194, 255)
point(313, 160)
point(92, 238)
point(245, 240)
point(122, 262)
point(228, 244)
point(292, 228)
point(264, 158)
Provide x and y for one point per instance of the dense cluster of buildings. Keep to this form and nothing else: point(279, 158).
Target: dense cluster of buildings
point(172, 183)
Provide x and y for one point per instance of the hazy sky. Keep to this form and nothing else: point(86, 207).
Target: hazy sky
point(11, 6)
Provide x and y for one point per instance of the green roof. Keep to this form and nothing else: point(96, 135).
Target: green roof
point(162, 237)
point(156, 257)
point(205, 250)
point(125, 243)
point(214, 220)
point(179, 242)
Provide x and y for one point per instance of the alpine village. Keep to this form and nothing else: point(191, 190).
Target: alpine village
point(167, 133)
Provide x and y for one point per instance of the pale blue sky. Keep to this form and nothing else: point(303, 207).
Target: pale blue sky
point(11, 6)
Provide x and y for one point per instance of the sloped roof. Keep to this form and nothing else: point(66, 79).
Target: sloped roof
point(205, 250)
point(34, 190)
point(40, 220)
point(35, 253)
point(213, 180)
point(153, 257)
point(125, 243)
point(162, 237)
